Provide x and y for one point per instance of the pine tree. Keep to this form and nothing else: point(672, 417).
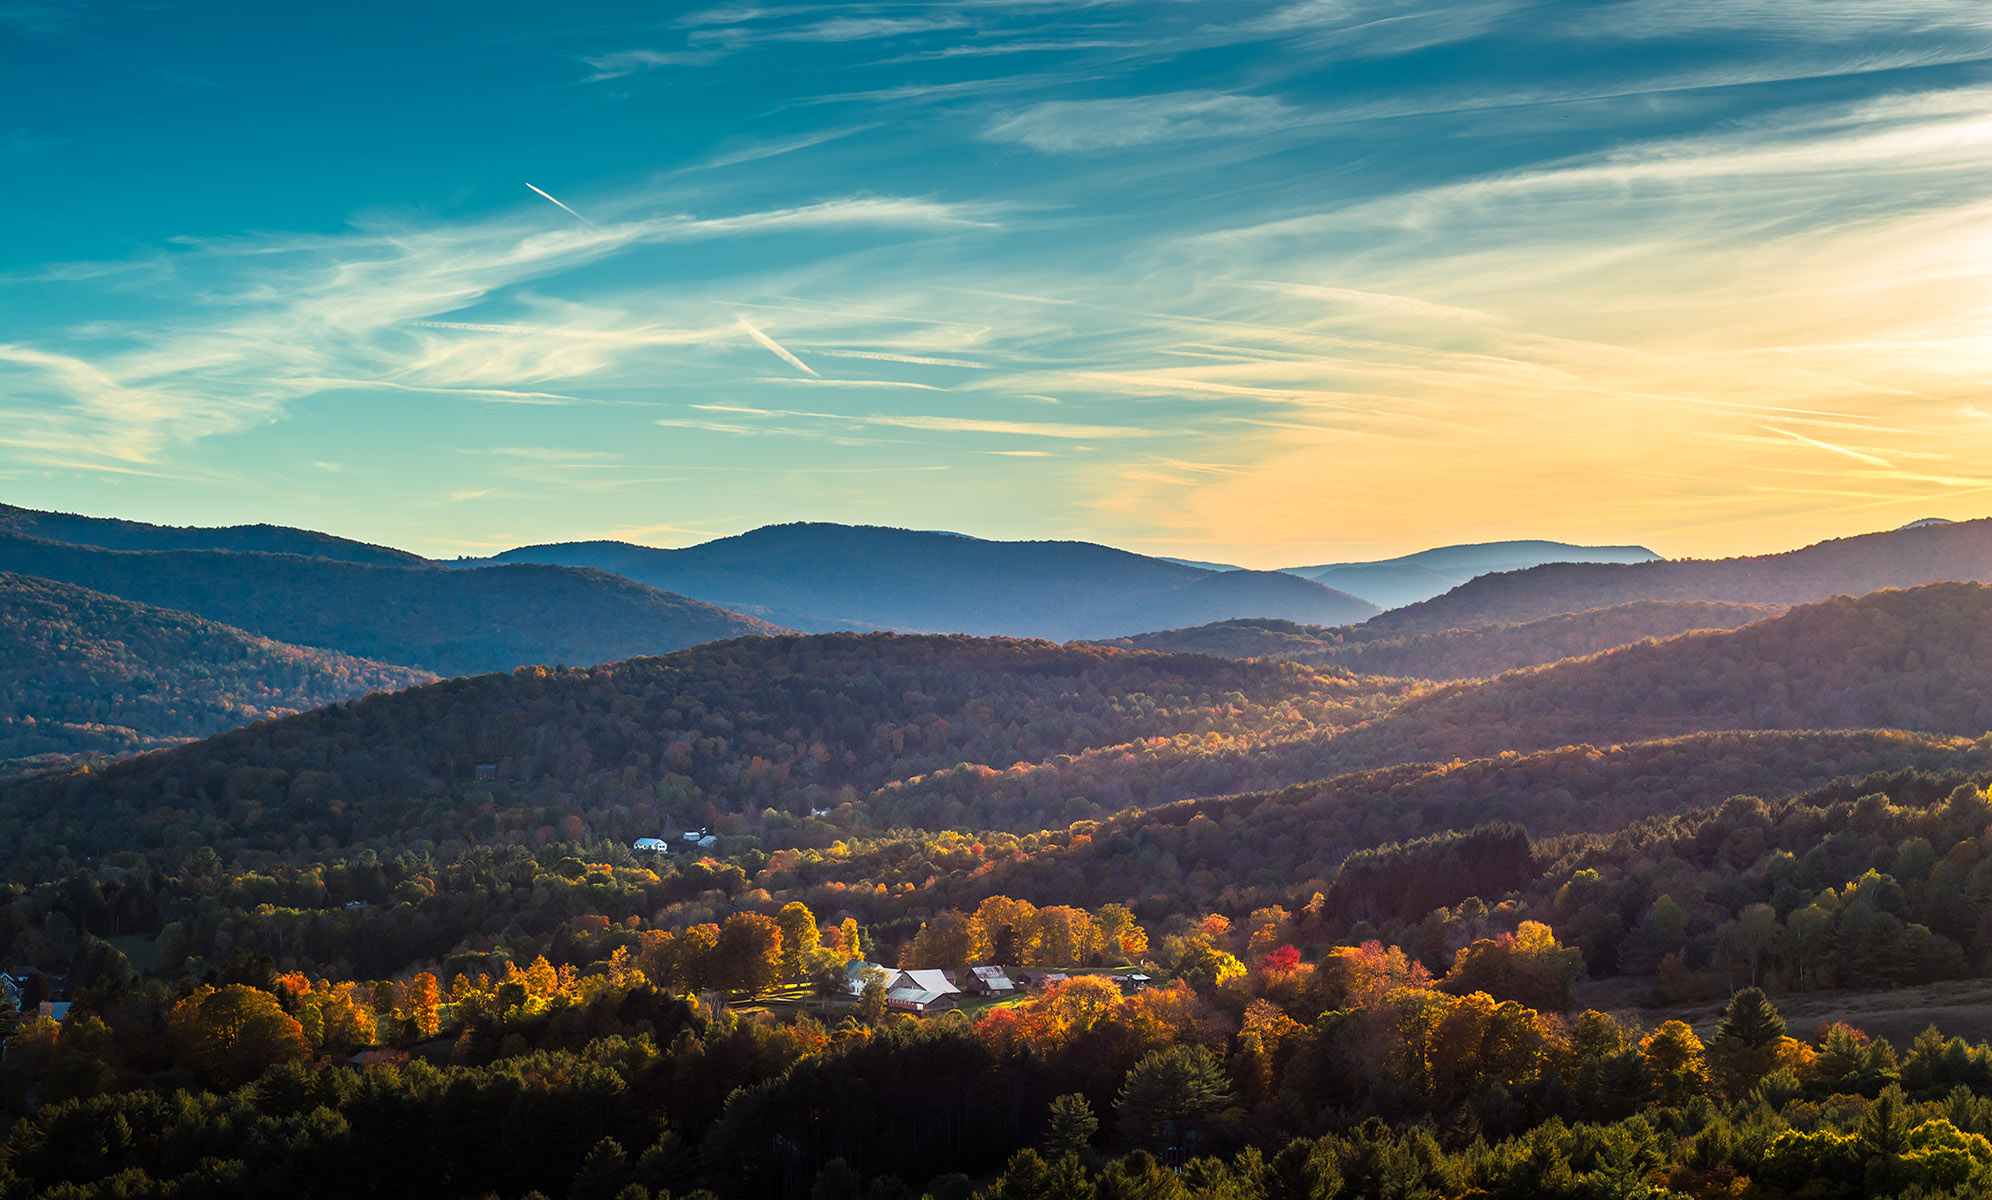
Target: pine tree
point(1752, 1019)
point(1072, 1125)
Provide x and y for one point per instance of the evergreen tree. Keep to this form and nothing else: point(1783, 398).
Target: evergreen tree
point(1072, 1125)
point(1752, 1019)
point(1167, 1096)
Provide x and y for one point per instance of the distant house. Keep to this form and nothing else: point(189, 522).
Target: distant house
point(11, 987)
point(819, 812)
point(989, 981)
point(652, 845)
point(1041, 979)
point(854, 976)
point(921, 1000)
point(487, 770)
point(925, 981)
point(1133, 982)
point(707, 842)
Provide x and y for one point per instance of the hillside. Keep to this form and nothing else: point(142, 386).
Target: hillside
point(1395, 582)
point(1899, 558)
point(84, 673)
point(1914, 659)
point(1453, 653)
point(113, 534)
point(748, 735)
point(1234, 853)
point(828, 577)
point(447, 622)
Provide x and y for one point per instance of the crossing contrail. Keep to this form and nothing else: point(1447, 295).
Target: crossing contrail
point(773, 346)
point(570, 212)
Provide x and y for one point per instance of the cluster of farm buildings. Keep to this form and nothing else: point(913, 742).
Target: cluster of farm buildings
point(932, 991)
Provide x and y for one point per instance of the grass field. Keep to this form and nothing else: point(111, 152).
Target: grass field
point(1958, 1008)
point(139, 950)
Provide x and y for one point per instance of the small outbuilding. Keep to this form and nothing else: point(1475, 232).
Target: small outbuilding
point(989, 981)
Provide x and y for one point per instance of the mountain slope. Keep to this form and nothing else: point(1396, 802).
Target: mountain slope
point(746, 735)
point(823, 577)
point(448, 622)
point(1394, 582)
point(1453, 653)
point(1852, 566)
point(82, 672)
point(1915, 659)
point(1233, 853)
point(113, 534)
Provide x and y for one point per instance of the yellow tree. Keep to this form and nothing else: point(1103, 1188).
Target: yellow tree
point(1000, 930)
point(799, 935)
point(1120, 937)
point(425, 998)
point(1060, 936)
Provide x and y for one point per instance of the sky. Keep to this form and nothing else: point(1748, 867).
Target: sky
point(1264, 283)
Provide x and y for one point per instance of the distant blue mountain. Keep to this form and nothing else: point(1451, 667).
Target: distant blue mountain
point(1395, 582)
point(820, 577)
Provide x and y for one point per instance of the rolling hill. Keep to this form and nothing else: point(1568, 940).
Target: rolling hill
point(83, 673)
point(747, 735)
point(1395, 582)
point(1899, 558)
point(827, 577)
point(1918, 659)
point(446, 622)
point(1232, 853)
point(113, 534)
point(1453, 653)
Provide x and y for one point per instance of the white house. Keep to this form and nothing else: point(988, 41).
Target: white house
point(854, 976)
point(653, 845)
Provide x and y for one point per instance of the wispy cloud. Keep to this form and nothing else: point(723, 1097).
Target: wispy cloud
point(1085, 126)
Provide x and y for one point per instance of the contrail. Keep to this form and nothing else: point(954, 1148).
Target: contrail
point(773, 346)
point(570, 212)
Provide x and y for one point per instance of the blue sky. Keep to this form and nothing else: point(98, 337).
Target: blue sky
point(1270, 283)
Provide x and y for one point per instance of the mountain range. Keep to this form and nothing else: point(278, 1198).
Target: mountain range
point(820, 577)
point(1395, 582)
point(1916, 554)
point(1453, 653)
point(421, 616)
point(82, 672)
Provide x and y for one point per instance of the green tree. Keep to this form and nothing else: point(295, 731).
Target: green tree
point(838, 1180)
point(1752, 1019)
point(603, 1172)
point(871, 997)
point(1071, 1127)
point(1168, 1096)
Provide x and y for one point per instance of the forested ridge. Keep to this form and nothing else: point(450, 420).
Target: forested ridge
point(747, 736)
point(823, 577)
point(1918, 658)
point(82, 672)
point(425, 617)
point(1454, 653)
point(1853, 566)
point(114, 534)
